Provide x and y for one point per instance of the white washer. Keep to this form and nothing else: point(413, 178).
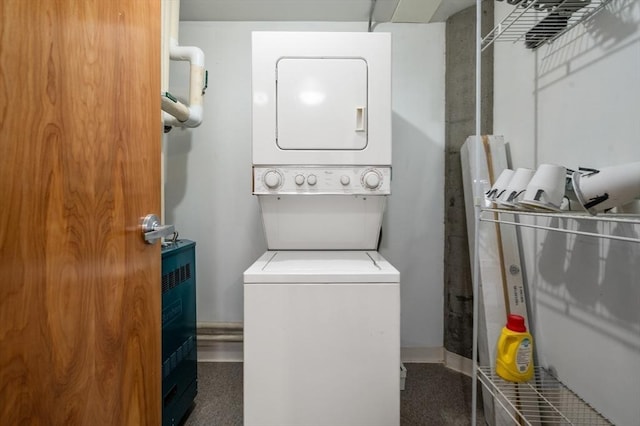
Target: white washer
point(322, 339)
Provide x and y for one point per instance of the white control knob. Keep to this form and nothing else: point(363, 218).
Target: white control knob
point(299, 180)
point(344, 179)
point(371, 180)
point(272, 179)
point(312, 180)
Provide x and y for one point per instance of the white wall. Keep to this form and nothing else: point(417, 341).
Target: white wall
point(208, 181)
point(577, 103)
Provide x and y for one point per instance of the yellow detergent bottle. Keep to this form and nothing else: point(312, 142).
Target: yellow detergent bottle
point(514, 354)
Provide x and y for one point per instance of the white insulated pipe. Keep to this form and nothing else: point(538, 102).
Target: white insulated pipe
point(175, 113)
point(175, 108)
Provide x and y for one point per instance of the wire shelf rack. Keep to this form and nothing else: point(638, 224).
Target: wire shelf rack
point(542, 400)
point(629, 219)
point(536, 22)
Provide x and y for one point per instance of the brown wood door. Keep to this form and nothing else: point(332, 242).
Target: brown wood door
point(80, 140)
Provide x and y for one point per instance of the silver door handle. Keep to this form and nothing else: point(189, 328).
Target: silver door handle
point(152, 231)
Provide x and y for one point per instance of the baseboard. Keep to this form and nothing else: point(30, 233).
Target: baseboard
point(212, 351)
point(426, 355)
point(215, 351)
point(458, 363)
point(437, 355)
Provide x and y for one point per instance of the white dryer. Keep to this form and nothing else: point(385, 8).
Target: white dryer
point(321, 98)
point(321, 307)
point(322, 342)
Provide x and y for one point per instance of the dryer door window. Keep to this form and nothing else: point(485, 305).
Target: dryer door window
point(321, 104)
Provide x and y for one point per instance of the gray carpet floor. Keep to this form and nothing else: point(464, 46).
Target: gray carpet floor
point(433, 395)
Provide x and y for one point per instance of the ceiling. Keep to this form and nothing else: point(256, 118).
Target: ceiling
point(321, 10)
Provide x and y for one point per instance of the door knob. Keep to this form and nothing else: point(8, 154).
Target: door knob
point(152, 231)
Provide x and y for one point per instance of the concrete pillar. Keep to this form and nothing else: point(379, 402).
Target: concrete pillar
point(460, 123)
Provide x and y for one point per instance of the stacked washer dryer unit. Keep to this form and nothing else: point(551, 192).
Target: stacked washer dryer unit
point(321, 306)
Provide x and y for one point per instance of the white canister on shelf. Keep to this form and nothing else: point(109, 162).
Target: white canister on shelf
point(602, 189)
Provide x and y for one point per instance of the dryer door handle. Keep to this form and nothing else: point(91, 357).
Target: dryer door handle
point(361, 119)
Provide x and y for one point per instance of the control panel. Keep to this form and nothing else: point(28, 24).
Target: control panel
point(360, 180)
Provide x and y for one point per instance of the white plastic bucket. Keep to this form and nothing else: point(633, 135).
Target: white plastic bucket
point(517, 185)
point(500, 185)
point(603, 189)
point(546, 189)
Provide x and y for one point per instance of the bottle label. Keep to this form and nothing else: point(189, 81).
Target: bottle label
point(523, 355)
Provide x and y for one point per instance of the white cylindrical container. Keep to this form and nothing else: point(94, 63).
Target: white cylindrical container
point(603, 189)
point(500, 185)
point(516, 187)
point(545, 191)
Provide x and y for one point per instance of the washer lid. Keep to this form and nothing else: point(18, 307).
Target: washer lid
point(321, 267)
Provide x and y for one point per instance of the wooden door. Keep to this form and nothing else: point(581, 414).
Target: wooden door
point(80, 148)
